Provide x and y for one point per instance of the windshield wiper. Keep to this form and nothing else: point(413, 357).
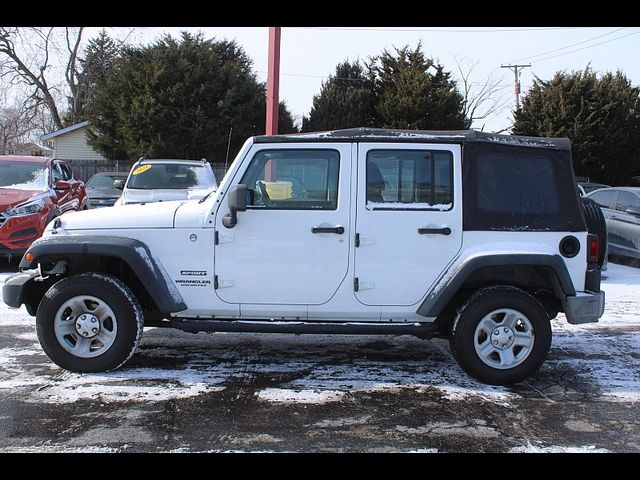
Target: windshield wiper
point(206, 196)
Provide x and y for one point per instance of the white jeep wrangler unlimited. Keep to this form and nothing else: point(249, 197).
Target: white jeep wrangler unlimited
point(476, 237)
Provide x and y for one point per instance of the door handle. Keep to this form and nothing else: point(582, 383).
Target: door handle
point(339, 229)
point(434, 231)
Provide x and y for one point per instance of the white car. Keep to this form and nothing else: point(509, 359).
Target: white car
point(152, 181)
point(475, 237)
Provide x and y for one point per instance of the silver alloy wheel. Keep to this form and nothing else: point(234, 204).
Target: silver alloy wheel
point(85, 326)
point(504, 338)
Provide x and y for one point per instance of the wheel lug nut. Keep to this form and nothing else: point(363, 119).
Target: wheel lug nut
point(93, 320)
point(505, 330)
point(497, 332)
point(495, 342)
point(84, 334)
point(94, 330)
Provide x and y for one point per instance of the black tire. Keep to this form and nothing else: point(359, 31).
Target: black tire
point(117, 296)
point(481, 304)
point(596, 224)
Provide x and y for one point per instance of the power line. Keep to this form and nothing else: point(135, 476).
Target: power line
point(443, 30)
point(569, 46)
point(365, 79)
point(589, 46)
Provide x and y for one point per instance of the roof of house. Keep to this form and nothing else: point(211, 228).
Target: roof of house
point(24, 158)
point(18, 146)
point(62, 131)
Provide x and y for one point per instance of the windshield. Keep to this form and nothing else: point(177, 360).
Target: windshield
point(23, 176)
point(104, 181)
point(171, 176)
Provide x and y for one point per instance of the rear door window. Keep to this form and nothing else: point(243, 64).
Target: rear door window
point(409, 180)
point(604, 199)
point(627, 200)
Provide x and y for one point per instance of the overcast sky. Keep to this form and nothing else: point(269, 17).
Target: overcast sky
point(310, 54)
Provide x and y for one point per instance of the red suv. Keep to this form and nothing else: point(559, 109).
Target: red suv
point(33, 190)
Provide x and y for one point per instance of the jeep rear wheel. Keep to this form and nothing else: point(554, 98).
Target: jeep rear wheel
point(89, 323)
point(501, 335)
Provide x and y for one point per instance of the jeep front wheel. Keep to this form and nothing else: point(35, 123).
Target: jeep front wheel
point(501, 335)
point(89, 323)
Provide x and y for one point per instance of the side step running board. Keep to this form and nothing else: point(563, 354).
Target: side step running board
point(421, 330)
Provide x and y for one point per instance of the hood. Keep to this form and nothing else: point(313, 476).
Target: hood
point(158, 195)
point(10, 197)
point(103, 192)
point(153, 215)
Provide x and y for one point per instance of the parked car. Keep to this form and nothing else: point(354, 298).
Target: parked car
point(163, 180)
point(102, 189)
point(33, 190)
point(584, 187)
point(621, 208)
point(475, 237)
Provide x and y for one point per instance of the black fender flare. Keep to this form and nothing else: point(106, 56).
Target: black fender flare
point(133, 252)
point(443, 291)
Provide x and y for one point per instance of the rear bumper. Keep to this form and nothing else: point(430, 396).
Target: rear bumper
point(584, 307)
point(13, 291)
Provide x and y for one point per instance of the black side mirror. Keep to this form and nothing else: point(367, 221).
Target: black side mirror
point(237, 203)
point(119, 184)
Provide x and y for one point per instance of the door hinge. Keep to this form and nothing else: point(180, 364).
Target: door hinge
point(216, 238)
point(356, 284)
point(215, 281)
point(357, 240)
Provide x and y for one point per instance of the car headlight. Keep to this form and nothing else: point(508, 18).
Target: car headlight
point(28, 208)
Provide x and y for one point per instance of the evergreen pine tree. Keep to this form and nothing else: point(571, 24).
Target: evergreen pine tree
point(99, 58)
point(601, 116)
point(414, 92)
point(179, 99)
point(346, 100)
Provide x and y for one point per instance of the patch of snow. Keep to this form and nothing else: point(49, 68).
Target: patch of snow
point(408, 206)
point(523, 142)
point(557, 449)
point(601, 356)
point(286, 395)
point(48, 448)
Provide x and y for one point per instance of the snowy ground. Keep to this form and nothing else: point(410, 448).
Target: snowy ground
point(251, 392)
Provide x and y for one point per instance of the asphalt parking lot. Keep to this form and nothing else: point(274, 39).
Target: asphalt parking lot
point(314, 393)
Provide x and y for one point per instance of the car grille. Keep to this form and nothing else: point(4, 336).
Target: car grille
point(102, 202)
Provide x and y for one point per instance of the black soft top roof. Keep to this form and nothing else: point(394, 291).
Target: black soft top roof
point(416, 136)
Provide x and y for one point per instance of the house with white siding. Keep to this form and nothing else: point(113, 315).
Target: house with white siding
point(71, 144)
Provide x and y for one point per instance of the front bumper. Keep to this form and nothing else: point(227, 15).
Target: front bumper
point(13, 291)
point(18, 233)
point(584, 307)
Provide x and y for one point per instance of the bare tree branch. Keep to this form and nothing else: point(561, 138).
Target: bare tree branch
point(481, 99)
point(28, 54)
point(72, 74)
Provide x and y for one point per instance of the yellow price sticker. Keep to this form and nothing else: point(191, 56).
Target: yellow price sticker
point(141, 169)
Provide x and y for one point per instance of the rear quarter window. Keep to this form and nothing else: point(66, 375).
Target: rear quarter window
point(517, 188)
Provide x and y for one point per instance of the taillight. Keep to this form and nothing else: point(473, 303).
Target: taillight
point(593, 243)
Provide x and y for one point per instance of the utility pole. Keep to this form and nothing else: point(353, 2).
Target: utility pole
point(516, 69)
point(273, 81)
